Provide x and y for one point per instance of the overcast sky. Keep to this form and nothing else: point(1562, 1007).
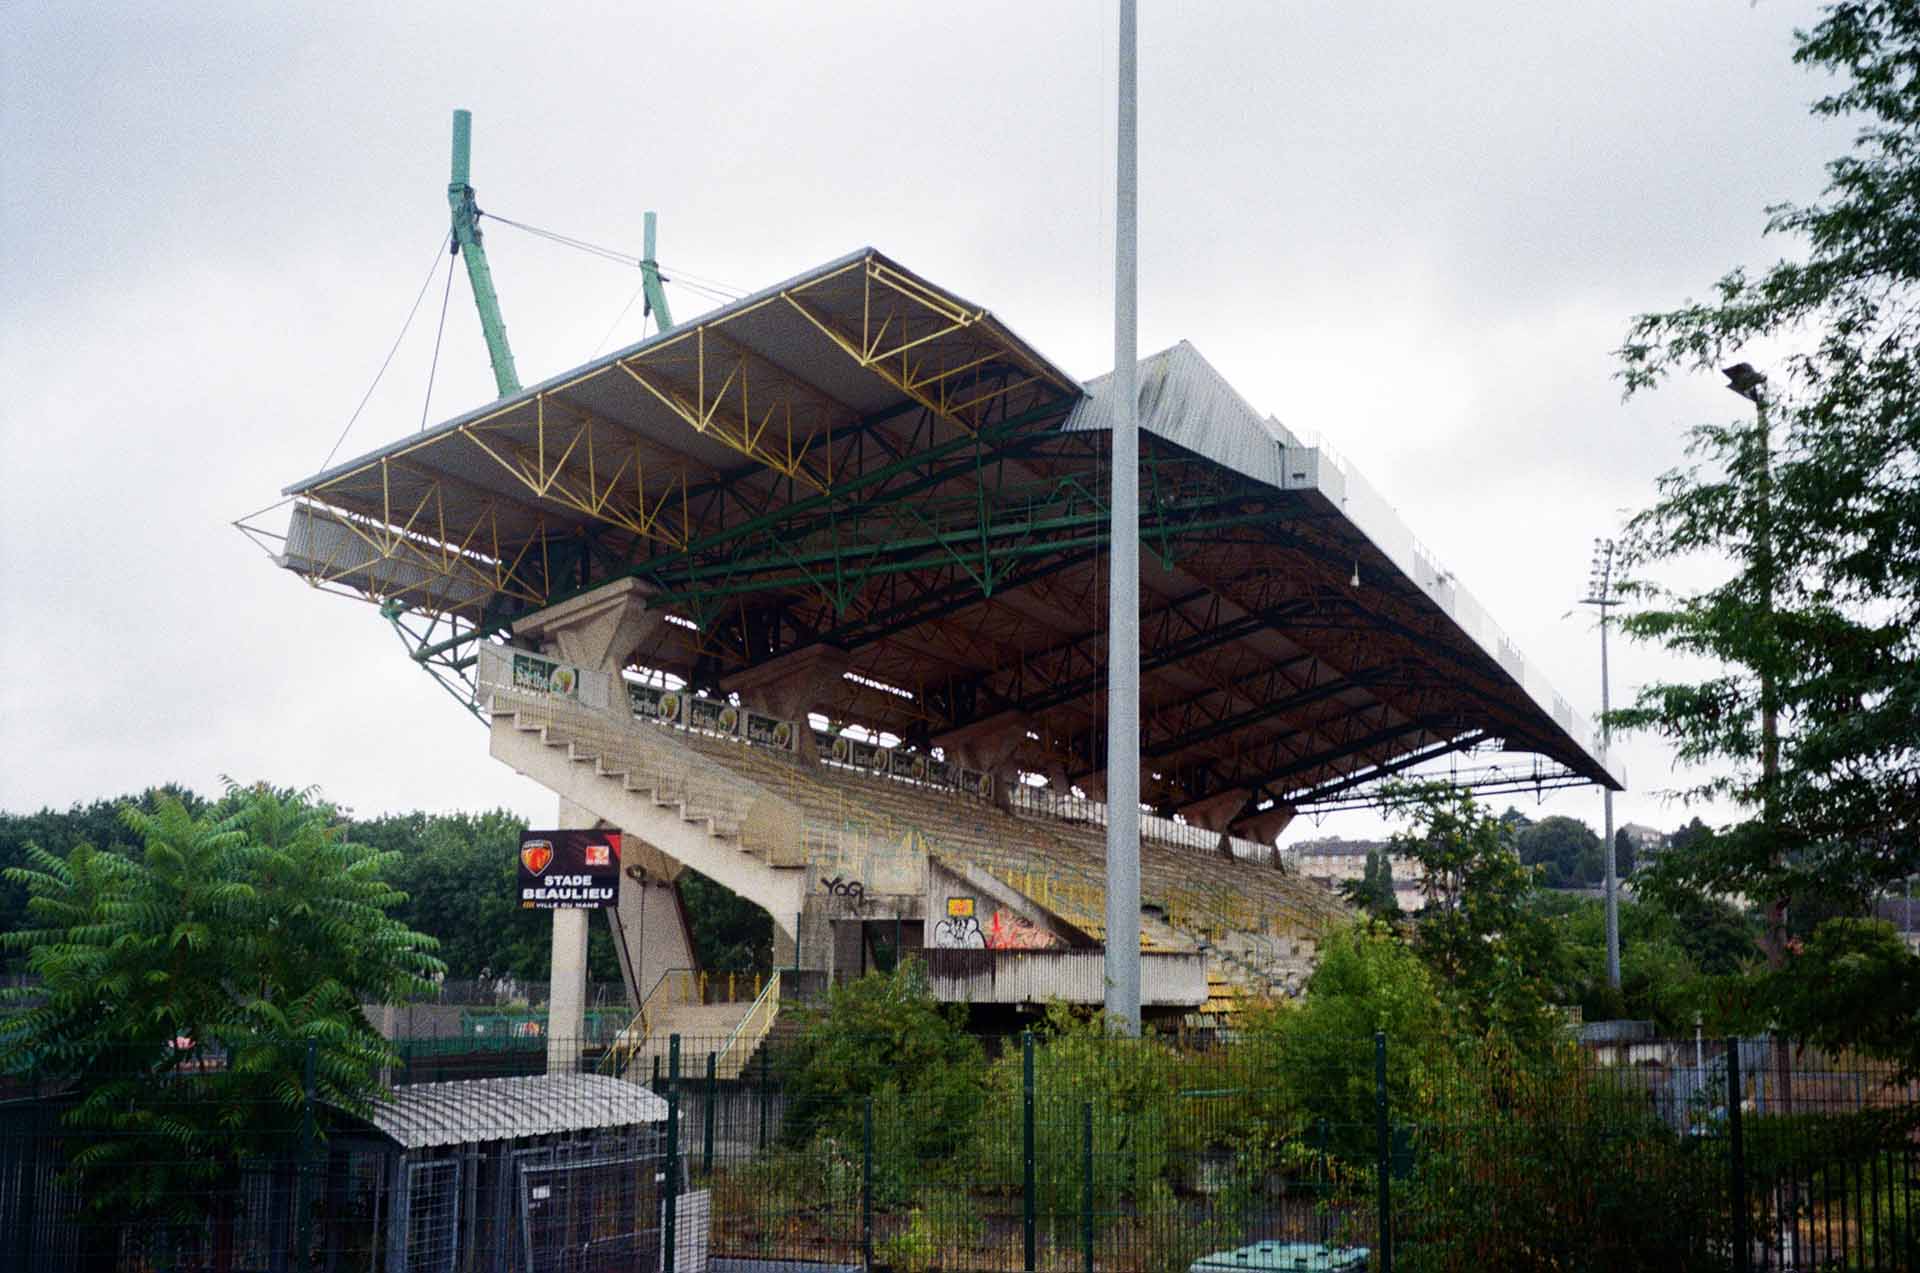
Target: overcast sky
point(1416, 230)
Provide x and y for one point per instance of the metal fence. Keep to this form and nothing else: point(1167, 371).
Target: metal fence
point(1052, 1153)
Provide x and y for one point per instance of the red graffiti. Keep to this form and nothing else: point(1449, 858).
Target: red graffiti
point(1008, 931)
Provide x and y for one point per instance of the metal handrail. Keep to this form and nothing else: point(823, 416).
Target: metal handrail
point(626, 1043)
point(766, 1004)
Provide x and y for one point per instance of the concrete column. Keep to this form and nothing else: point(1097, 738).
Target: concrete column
point(596, 631)
point(567, 968)
point(791, 686)
point(1266, 827)
point(1216, 813)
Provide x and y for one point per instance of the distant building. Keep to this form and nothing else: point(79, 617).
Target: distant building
point(1334, 861)
point(1648, 842)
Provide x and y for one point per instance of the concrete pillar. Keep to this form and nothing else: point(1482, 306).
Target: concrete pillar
point(791, 686)
point(649, 926)
point(1217, 813)
point(988, 744)
point(597, 631)
point(1267, 826)
point(567, 969)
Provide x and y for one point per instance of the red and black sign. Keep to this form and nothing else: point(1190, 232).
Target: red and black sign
point(569, 870)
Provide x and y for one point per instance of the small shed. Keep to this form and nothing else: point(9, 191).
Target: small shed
point(503, 1175)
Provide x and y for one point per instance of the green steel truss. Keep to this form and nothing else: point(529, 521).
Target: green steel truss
point(924, 530)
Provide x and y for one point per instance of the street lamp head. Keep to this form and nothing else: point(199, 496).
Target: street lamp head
point(1745, 381)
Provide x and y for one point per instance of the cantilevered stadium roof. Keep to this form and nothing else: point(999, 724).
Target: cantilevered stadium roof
point(859, 460)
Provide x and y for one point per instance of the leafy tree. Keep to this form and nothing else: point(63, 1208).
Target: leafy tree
point(885, 1036)
point(730, 934)
point(1812, 501)
point(1373, 892)
point(1476, 931)
point(1623, 853)
point(460, 873)
point(181, 988)
point(57, 831)
point(1322, 1050)
point(1566, 849)
point(1838, 990)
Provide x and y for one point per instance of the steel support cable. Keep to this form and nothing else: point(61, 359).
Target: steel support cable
point(440, 332)
point(685, 278)
point(438, 252)
point(711, 289)
point(565, 240)
point(620, 318)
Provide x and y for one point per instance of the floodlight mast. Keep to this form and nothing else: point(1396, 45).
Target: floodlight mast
point(1123, 591)
point(466, 243)
point(1600, 596)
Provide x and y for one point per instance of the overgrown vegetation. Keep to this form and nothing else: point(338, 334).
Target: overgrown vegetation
point(455, 870)
point(1805, 510)
point(183, 986)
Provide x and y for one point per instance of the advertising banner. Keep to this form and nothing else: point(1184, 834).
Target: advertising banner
point(769, 731)
point(537, 675)
point(652, 704)
point(569, 870)
point(714, 715)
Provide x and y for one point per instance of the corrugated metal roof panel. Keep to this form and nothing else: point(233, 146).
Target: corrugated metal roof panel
point(422, 1115)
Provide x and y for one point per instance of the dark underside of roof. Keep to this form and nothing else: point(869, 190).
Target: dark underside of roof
point(919, 492)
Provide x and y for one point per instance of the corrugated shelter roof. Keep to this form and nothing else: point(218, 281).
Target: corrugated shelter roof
point(467, 1111)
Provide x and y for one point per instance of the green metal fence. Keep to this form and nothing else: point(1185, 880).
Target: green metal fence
point(1053, 1153)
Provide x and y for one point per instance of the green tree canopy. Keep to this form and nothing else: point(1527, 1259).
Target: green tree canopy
point(1811, 498)
point(1497, 958)
point(1566, 850)
point(182, 986)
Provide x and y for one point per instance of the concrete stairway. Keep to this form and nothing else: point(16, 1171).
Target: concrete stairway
point(641, 779)
point(703, 1028)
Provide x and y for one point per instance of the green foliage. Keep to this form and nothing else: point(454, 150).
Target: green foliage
point(1494, 955)
point(885, 1037)
point(1373, 892)
point(1668, 961)
point(1566, 850)
point(1853, 984)
point(1128, 1083)
point(56, 831)
point(730, 934)
point(1526, 1159)
point(1319, 1054)
point(1811, 501)
point(181, 987)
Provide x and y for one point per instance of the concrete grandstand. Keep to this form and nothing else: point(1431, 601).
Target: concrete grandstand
point(808, 595)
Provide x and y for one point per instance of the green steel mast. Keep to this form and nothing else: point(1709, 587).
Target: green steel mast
point(650, 280)
point(466, 242)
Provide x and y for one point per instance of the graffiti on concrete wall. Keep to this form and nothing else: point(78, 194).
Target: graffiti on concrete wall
point(1007, 930)
point(959, 933)
point(960, 930)
point(1003, 930)
point(842, 886)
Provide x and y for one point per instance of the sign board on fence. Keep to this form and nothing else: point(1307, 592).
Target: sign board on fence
point(536, 675)
point(715, 715)
point(649, 703)
point(569, 870)
point(769, 731)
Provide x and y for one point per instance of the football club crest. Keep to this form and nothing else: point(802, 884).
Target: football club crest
point(536, 856)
